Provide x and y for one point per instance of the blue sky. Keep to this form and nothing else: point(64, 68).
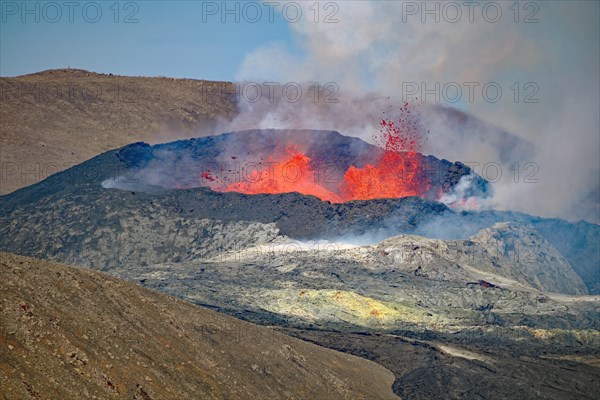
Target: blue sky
point(168, 39)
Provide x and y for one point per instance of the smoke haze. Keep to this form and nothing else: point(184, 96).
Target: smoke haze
point(546, 149)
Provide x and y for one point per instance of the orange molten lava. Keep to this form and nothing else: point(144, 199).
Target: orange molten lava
point(290, 173)
point(397, 173)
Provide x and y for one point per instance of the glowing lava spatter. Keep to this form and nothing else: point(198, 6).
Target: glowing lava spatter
point(397, 172)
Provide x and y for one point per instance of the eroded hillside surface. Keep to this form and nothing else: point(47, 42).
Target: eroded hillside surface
point(54, 119)
point(71, 333)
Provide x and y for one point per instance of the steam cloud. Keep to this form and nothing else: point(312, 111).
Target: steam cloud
point(375, 48)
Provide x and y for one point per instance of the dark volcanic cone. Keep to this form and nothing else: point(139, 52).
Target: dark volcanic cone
point(280, 161)
point(124, 206)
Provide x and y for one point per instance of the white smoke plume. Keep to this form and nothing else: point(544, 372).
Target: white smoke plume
point(459, 197)
point(547, 151)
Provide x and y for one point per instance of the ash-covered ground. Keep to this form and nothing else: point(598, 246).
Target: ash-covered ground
point(492, 304)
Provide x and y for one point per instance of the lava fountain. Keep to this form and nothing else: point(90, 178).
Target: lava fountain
point(396, 173)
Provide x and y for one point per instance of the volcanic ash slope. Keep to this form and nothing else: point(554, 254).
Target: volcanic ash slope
point(70, 333)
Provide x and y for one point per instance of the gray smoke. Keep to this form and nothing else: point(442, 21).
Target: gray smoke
point(546, 151)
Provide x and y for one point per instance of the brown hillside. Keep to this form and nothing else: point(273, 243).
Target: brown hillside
point(57, 118)
point(70, 333)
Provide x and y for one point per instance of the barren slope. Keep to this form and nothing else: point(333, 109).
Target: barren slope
point(71, 333)
point(58, 118)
